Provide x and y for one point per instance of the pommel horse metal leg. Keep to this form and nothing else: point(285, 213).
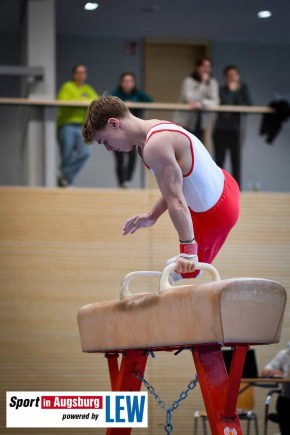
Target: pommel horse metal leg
point(220, 391)
point(124, 379)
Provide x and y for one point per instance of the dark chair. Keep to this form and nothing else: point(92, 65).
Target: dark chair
point(270, 416)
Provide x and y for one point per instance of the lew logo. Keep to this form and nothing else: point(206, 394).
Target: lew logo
point(229, 431)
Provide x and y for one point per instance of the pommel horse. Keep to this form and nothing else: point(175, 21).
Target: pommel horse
point(202, 317)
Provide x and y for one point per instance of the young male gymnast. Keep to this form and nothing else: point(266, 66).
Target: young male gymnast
point(201, 198)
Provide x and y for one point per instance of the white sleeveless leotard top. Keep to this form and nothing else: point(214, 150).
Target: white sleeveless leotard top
point(203, 184)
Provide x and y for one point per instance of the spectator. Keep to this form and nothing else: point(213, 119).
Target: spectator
point(127, 91)
point(200, 90)
point(227, 131)
point(280, 367)
point(73, 151)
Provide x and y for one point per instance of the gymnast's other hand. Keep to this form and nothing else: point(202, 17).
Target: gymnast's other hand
point(139, 221)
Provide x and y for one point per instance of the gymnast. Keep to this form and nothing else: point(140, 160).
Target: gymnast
point(201, 198)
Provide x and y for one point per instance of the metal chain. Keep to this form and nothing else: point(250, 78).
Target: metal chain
point(169, 426)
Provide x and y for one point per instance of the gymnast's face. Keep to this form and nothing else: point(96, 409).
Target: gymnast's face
point(115, 137)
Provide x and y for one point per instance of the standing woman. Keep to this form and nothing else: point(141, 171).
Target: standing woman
point(199, 90)
point(127, 91)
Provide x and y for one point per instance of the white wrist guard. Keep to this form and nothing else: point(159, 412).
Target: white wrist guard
point(188, 256)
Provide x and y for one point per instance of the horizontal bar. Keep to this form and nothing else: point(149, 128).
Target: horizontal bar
point(145, 106)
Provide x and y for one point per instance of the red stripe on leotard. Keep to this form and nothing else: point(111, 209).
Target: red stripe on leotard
point(141, 154)
point(175, 131)
point(159, 123)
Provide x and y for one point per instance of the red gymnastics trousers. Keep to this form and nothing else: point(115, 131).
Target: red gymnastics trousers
point(212, 227)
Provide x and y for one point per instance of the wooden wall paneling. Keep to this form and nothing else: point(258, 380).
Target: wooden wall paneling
point(61, 249)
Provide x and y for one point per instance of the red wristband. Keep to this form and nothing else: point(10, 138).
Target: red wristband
point(188, 248)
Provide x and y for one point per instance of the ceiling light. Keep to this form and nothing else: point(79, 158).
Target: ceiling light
point(91, 6)
point(264, 14)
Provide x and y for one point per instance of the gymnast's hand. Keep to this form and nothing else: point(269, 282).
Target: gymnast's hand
point(139, 221)
point(184, 263)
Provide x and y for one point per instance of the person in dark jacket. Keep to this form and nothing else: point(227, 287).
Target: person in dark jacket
point(227, 131)
point(127, 91)
point(272, 123)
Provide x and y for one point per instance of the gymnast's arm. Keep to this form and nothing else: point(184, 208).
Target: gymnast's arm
point(160, 156)
point(158, 208)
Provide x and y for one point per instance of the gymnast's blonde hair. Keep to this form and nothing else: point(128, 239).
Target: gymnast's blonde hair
point(99, 111)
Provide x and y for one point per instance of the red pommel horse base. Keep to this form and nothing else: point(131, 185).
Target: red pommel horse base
point(203, 317)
